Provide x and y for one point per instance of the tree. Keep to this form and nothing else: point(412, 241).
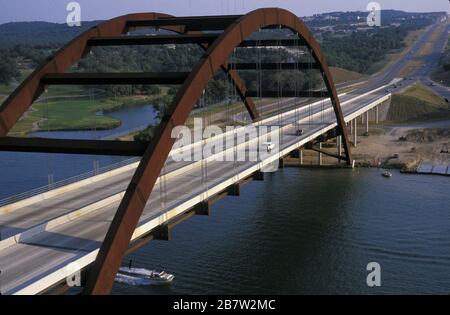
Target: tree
point(146, 134)
point(8, 70)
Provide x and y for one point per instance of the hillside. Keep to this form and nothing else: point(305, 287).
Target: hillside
point(417, 103)
point(39, 33)
point(342, 75)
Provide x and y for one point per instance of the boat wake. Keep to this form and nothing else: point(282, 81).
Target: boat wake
point(141, 277)
point(137, 279)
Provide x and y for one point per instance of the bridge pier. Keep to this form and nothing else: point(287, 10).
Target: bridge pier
point(281, 163)
point(294, 154)
point(258, 175)
point(300, 156)
point(339, 146)
point(162, 233)
point(367, 122)
point(355, 133)
point(202, 208)
point(320, 155)
point(234, 190)
point(376, 115)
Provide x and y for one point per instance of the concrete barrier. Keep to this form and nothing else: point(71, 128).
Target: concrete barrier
point(64, 189)
point(29, 233)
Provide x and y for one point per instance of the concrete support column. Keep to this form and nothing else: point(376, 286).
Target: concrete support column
point(320, 154)
point(351, 127)
point(258, 175)
point(234, 190)
point(376, 115)
point(367, 122)
point(355, 133)
point(162, 233)
point(202, 208)
point(300, 156)
point(339, 146)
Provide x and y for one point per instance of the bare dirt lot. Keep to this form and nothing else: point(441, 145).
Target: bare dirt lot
point(402, 146)
point(405, 146)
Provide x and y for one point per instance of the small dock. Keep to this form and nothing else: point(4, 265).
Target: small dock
point(431, 169)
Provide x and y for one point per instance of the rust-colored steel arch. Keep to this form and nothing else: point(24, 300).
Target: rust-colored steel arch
point(116, 242)
point(31, 88)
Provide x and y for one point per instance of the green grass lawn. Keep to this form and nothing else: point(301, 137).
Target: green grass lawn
point(74, 114)
point(64, 115)
point(417, 103)
point(71, 108)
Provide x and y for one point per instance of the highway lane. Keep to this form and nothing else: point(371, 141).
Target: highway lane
point(431, 61)
point(395, 68)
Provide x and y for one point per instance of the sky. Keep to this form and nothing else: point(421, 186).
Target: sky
point(55, 10)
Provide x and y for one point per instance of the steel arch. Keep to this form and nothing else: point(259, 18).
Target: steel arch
point(101, 276)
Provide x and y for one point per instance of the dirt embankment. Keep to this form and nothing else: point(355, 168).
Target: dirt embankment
point(417, 103)
point(404, 147)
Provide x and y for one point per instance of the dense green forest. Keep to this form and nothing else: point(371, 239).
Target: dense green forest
point(358, 51)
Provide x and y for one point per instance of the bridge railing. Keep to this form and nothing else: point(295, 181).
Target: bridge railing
point(67, 181)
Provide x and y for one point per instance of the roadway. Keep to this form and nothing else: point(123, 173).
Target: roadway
point(430, 62)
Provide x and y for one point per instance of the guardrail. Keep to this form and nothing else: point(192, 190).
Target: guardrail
point(65, 182)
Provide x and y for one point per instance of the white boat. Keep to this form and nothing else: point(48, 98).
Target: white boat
point(145, 276)
point(269, 146)
point(386, 174)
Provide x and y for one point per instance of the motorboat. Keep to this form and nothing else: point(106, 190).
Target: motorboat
point(149, 276)
point(386, 174)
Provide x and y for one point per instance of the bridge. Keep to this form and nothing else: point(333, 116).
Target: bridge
point(91, 223)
